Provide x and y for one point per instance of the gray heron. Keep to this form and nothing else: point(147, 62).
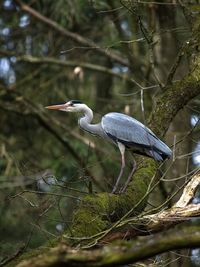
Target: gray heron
point(122, 130)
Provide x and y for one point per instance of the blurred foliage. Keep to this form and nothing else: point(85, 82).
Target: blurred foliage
point(45, 151)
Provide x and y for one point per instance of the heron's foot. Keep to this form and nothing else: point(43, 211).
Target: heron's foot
point(114, 190)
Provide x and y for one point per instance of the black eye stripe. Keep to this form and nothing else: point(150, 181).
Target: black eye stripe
point(75, 102)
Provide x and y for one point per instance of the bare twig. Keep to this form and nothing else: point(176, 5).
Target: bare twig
point(74, 36)
point(18, 253)
point(187, 12)
point(44, 193)
point(176, 63)
point(147, 36)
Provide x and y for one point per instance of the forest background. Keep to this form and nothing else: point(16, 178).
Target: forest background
point(136, 57)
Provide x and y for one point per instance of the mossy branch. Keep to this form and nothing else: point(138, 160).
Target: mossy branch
point(117, 254)
point(174, 98)
point(147, 224)
point(129, 252)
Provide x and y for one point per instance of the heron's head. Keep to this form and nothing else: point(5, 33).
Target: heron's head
point(70, 106)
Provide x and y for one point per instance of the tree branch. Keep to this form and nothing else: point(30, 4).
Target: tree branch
point(164, 219)
point(188, 192)
point(116, 255)
point(69, 63)
point(174, 98)
point(74, 36)
point(133, 251)
point(177, 61)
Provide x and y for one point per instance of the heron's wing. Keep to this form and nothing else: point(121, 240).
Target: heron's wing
point(125, 129)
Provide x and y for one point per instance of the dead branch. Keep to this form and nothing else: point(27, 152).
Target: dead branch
point(188, 192)
point(144, 225)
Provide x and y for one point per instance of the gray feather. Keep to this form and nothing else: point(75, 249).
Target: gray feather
point(127, 130)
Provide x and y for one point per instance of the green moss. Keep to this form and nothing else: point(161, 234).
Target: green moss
point(92, 215)
point(98, 211)
point(134, 196)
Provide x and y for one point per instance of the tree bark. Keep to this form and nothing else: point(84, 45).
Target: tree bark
point(119, 254)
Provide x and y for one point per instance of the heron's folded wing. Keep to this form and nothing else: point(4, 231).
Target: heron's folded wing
point(121, 127)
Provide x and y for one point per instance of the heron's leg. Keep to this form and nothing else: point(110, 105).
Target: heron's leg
point(122, 151)
point(129, 177)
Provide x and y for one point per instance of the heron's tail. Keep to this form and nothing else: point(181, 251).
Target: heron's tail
point(156, 155)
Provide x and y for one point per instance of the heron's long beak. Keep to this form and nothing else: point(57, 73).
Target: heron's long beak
point(58, 107)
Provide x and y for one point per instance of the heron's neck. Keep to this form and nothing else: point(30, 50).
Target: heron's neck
point(88, 116)
point(85, 121)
